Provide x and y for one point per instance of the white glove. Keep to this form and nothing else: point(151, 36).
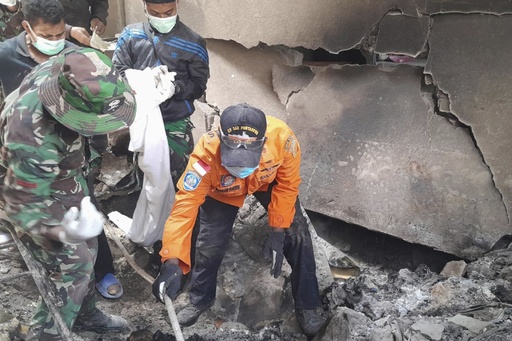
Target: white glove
point(78, 229)
point(8, 2)
point(164, 82)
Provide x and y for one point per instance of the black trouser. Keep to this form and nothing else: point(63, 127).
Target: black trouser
point(216, 224)
point(104, 260)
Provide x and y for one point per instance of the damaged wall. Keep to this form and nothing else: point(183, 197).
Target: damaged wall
point(421, 158)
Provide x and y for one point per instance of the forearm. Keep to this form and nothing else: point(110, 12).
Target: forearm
point(53, 233)
point(99, 9)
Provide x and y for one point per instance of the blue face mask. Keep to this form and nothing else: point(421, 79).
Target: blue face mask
point(240, 172)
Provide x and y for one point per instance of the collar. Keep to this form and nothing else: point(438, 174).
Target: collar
point(21, 45)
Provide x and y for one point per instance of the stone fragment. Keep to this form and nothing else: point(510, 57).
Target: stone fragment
point(345, 325)
point(434, 331)
point(441, 294)
point(454, 269)
point(443, 102)
point(113, 169)
point(471, 324)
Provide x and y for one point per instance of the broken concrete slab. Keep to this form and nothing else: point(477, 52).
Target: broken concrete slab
point(471, 324)
point(401, 34)
point(380, 158)
point(432, 330)
point(478, 86)
point(335, 26)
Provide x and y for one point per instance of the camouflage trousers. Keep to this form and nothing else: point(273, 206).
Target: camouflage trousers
point(71, 270)
point(181, 144)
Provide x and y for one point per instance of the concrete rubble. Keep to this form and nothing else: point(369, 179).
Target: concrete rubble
point(379, 302)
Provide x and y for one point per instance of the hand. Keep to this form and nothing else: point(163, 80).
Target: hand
point(98, 25)
point(273, 250)
point(8, 2)
point(164, 82)
point(81, 35)
point(80, 226)
point(168, 281)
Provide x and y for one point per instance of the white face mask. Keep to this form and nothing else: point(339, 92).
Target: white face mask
point(162, 25)
point(48, 47)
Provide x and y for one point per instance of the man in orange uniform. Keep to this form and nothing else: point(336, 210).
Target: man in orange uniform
point(252, 154)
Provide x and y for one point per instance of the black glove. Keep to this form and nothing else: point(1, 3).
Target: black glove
point(273, 250)
point(168, 281)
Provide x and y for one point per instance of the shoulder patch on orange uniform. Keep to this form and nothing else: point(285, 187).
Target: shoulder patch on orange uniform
point(201, 167)
point(191, 181)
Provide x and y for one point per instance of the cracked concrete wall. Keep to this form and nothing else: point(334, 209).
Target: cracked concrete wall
point(478, 85)
point(381, 158)
point(427, 163)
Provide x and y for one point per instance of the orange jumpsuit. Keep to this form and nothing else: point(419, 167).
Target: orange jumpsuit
point(280, 162)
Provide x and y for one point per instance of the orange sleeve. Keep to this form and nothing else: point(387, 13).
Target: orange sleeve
point(284, 194)
point(177, 236)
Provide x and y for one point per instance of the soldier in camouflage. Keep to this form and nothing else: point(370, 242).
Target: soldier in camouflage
point(12, 16)
point(44, 19)
point(43, 128)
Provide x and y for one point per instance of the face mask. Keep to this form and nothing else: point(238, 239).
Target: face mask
point(162, 25)
point(241, 172)
point(48, 47)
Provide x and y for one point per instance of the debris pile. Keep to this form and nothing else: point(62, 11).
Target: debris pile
point(379, 301)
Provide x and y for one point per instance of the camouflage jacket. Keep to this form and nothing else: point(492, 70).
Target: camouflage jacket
point(10, 24)
point(43, 161)
point(80, 12)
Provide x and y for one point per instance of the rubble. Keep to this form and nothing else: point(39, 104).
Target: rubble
point(382, 301)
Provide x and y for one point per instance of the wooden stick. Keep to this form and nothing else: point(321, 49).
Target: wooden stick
point(168, 302)
point(129, 258)
point(45, 286)
point(174, 319)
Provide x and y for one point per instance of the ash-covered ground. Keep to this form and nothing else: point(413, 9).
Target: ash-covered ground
point(374, 287)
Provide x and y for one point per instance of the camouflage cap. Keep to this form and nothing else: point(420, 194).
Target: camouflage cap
point(85, 93)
